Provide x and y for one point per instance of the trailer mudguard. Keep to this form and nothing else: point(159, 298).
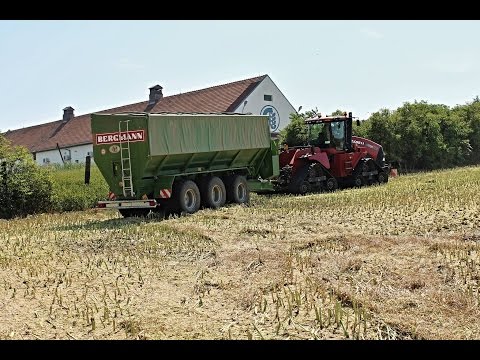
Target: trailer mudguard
point(163, 187)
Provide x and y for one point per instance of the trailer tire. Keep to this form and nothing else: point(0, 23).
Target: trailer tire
point(237, 189)
point(187, 197)
point(212, 192)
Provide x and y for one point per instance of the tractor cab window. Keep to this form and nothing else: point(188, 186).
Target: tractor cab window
point(328, 135)
point(320, 135)
point(338, 134)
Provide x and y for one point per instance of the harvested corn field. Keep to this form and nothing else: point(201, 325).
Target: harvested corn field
point(396, 261)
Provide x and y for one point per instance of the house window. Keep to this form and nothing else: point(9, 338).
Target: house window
point(67, 155)
point(46, 160)
point(267, 97)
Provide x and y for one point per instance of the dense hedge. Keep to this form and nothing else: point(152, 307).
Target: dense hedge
point(26, 188)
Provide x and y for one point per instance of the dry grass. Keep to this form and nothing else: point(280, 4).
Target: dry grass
point(398, 261)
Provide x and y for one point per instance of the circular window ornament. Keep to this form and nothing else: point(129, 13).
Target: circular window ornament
point(273, 117)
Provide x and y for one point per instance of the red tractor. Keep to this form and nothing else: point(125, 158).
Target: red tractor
point(332, 158)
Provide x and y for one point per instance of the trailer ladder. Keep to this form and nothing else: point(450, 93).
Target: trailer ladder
point(125, 159)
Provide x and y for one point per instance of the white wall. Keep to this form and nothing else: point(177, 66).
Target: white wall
point(52, 155)
point(77, 153)
point(279, 107)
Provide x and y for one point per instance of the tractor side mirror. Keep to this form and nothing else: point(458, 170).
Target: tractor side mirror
point(358, 122)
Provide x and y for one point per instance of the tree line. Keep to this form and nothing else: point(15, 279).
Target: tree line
point(415, 136)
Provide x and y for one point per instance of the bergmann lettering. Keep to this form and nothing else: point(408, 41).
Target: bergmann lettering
point(109, 138)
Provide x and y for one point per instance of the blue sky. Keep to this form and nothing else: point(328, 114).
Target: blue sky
point(353, 65)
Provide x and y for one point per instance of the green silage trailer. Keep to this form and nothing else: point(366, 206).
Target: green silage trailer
point(178, 162)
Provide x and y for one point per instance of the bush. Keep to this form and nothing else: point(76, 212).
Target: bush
point(70, 193)
point(296, 132)
point(25, 188)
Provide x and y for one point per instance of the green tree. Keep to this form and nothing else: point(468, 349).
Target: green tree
point(419, 135)
point(470, 114)
point(25, 188)
point(379, 128)
point(338, 112)
point(363, 130)
point(416, 128)
point(296, 132)
point(456, 131)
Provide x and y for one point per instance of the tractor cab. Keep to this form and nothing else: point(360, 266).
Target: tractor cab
point(333, 134)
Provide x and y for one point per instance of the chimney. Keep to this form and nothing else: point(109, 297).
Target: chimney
point(155, 94)
point(68, 113)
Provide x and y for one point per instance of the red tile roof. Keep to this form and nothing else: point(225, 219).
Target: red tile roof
point(77, 131)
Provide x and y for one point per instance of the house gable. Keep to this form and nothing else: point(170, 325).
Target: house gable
point(267, 99)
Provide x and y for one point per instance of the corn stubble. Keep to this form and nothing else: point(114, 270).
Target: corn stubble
point(397, 261)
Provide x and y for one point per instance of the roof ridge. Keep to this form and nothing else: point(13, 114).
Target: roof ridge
point(169, 96)
point(30, 127)
point(78, 116)
point(116, 107)
point(146, 101)
point(217, 86)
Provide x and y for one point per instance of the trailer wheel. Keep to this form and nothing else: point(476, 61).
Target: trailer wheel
point(237, 189)
point(212, 192)
point(188, 197)
point(332, 184)
point(382, 177)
